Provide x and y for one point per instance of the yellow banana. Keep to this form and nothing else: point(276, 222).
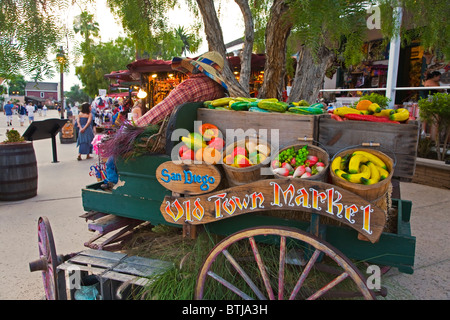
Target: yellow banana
point(355, 161)
point(371, 157)
point(383, 173)
point(340, 173)
point(336, 164)
point(356, 177)
point(374, 175)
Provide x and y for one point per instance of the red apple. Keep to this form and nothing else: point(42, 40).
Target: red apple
point(188, 155)
point(242, 161)
point(239, 150)
point(183, 149)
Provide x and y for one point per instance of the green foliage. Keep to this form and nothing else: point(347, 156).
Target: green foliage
point(436, 110)
point(76, 95)
point(106, 57)
point(17, 83)
point(13, 136)
point(146, 22)
point(29, 32)
point(379, 99)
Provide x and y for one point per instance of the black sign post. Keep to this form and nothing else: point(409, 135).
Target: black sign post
point(45, 129)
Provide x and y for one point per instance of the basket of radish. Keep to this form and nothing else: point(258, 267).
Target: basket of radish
point(301, 161)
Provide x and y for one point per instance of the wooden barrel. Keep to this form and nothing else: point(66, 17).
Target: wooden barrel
point(18, 171)
point(238, 176)
point(313, 151)
point(376, 193)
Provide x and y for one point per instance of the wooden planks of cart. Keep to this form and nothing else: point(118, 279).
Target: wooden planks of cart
point(326, 220)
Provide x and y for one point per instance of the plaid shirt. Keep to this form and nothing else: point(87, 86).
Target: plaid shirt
point(198, 87)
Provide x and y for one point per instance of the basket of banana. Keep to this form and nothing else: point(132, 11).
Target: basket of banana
point(365, 172)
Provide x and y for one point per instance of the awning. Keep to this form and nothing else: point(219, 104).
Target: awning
point(120, 94)
point(149, 65)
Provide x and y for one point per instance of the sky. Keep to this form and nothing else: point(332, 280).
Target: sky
point(110, 29)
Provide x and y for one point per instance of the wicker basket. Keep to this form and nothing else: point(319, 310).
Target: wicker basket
point(315, 151)
point(239, 176)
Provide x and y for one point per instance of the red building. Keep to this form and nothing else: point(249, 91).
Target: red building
point(44, 92)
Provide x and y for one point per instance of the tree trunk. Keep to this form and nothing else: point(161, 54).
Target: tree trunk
point(246, 53)
point(214, 37)
point(310, 73)
point(277, 31)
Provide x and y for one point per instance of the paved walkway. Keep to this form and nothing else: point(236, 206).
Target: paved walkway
point(59, 198)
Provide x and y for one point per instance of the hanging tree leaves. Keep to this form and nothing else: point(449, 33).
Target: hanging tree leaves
point(29, 31)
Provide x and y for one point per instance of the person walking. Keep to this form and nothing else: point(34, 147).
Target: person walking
point(22, 113)
point(86, 132)
point(30, 111)
point(8, 111)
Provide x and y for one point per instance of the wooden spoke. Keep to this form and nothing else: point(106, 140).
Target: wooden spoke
point(262, 268)
point(293, 278)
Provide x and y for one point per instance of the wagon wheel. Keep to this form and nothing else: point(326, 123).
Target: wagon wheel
point(48, 260)
point(228, 266)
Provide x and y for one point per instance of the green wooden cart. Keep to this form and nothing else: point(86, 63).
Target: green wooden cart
point(300, 242)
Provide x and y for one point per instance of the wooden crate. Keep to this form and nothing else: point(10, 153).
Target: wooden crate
point(116, 272)
point(290, 126)
point(400, 140)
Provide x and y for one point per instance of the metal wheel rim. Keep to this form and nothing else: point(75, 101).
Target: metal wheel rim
point(319, 245)
point(47, 251)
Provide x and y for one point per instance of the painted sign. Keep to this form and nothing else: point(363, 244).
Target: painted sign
point(278, 194)
point(188, 178)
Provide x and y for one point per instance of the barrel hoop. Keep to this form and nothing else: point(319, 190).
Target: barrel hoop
point(24, 165)
point(19, 181)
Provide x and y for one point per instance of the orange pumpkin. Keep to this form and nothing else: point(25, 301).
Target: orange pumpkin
point(363, 104)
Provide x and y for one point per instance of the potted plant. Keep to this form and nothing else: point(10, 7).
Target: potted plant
point(435, 110)
point(18, 177)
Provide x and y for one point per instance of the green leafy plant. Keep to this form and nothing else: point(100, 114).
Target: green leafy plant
point(435, 110)
point(13, 136)
point(379, 99)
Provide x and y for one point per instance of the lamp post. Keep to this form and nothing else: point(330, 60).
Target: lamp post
point(62, 61)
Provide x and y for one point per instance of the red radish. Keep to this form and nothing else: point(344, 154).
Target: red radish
point(320, 166)
point(287, 166)
point(281, 171)
point(311, 160)
point(306, 175)
point(276, 164)
point(293, 162)
point(299, 171)
point(308, 169)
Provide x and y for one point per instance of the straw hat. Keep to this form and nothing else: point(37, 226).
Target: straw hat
point(210, 63)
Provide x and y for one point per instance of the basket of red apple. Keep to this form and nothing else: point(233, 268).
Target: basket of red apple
point(301, 161)
point(244, 161)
